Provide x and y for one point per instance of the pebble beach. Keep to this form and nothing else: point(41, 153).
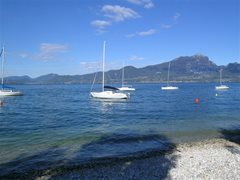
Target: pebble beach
point(212, 159)
point(208, 159)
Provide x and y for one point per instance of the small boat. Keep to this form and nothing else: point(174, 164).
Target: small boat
point(108, 94)
point(9, 92)
point(4, 90)
point(125, 87)
point(221, 87)
point(168, 87)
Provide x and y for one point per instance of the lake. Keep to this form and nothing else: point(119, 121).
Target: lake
point(60, 125)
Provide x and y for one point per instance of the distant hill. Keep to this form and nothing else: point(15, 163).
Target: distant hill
point(197, 68)
point(17, 80)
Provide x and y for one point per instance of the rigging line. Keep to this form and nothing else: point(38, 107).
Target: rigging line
point(111, 79)
point(93, 82)
point(2, 20)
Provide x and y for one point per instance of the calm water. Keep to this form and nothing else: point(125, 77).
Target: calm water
point(53, 125)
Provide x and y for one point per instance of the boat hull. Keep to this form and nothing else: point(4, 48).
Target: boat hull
point(169, 88)
point(126, 89)
point(10, 93)
point(109, 95)
point(222, 87)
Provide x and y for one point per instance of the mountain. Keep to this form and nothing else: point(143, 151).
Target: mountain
point(17, 80)
point(197, 68)
point(233, 68)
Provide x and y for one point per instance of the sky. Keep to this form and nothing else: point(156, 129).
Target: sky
point(66, 36)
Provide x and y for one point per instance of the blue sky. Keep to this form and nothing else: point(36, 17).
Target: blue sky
point(66, 36)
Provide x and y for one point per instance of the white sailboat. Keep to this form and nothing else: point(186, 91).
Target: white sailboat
point(4, 90)
point(169, 87)
point(125, 87)
point(221, 87)
point(107, 94)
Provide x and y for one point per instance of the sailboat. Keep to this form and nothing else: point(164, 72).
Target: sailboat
point(221, 87)
point(169, 87)
point(125, 87)
point(4, 90)
point(109, 94)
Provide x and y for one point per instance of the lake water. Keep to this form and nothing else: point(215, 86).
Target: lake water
point(55, 125)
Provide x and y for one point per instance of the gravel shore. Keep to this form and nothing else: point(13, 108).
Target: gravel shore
point(209, 159)
point(212, 159)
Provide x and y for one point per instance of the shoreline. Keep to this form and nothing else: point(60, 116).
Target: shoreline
point(215, 158)
point(133, 83)
point(208, 159)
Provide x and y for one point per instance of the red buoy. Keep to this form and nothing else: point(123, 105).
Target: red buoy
point(1, 103)
point(196, 100)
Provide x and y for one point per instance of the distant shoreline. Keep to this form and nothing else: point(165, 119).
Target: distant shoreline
point(173, 82)
point(196, 68)
point(155, 82)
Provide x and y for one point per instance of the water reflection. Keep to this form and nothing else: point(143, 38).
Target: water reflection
point(107, 105)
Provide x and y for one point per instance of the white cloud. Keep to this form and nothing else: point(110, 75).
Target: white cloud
point(143, 33)
point(119, 13)
point(24, 55)
point(136, 58)
point(130, 35)
point(176, 16)
point(166, 26)
point(48, 48)
point(113, 14)
point(145, 3)
point(148, 32)
point(100, 24)
point(48, 51)
point(91, 65)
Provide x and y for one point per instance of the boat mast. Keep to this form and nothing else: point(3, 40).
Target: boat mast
point(221, 76)
point(168, 73)
point(104, 44)
point(2, 64)
point(123, 76)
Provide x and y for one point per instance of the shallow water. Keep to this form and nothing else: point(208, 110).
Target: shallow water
point(53, 125)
